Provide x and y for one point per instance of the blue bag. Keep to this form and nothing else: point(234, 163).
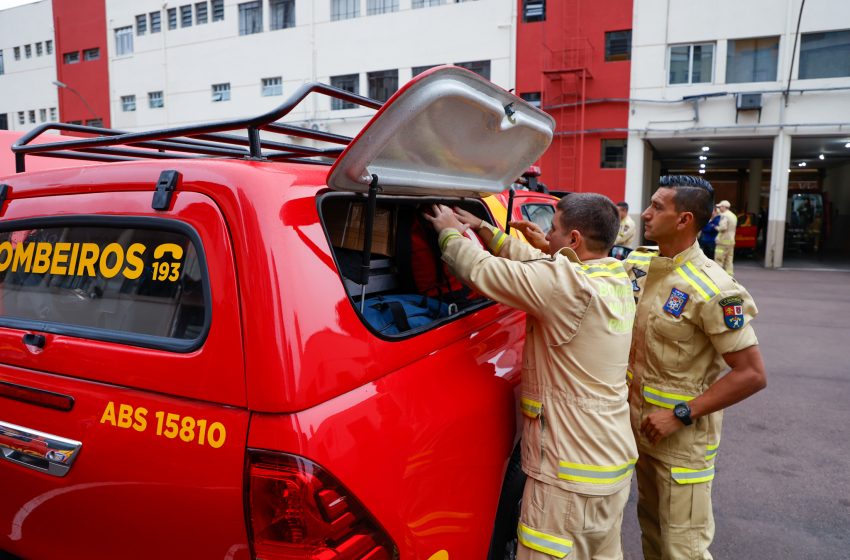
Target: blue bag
point(394, 314)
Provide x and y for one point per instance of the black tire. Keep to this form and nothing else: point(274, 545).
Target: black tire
point(503, 543)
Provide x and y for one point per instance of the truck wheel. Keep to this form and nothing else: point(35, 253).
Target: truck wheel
point(503, 544)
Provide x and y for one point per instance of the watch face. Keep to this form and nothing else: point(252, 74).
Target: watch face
point(681, 410)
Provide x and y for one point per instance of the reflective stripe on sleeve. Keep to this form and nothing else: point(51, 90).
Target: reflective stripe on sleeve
point(690, 476)
point(711, 451)
point(629, 375)
point(699, 281)
point(593, 474)
point(541, 542)
point(662, 399)
point(446, 238)
point(638, 257)
point(530, 408)
point(613, 270)
point(499, 238)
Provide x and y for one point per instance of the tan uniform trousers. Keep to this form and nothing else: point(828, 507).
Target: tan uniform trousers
point(592, 524)
point(724, 255)
point(676, 520)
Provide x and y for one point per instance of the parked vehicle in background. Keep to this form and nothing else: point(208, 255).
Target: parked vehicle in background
point(193, 362)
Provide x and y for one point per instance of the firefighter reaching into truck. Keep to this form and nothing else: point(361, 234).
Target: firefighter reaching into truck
point(577, 446)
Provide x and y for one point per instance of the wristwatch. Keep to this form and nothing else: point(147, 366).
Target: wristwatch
point(683, 413)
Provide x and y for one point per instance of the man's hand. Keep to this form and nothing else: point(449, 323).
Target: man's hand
point(442, 217)
point(659, 425)
point(533, 234)
point(468, 218)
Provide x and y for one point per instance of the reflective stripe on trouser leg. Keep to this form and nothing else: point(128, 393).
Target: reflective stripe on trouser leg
point(592, 523)
point(676, 519)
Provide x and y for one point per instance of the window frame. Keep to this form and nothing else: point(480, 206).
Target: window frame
point(805, 59)
point(38, 49)
point(124, 35)
point(287, 8)
point(691, 62)
point(186, 18)
point(17, 52)
point(223, 91)
point(71, 57)
point(171, 14)
point(612, 164)
point(155, 22)
point(729, 43)
point(254, 9)
point(217, 9)
point(128, 103)
point(2, 64)
point(202, 13)
point(152, 98)
point(533, 4)
point(339, 104)
point(352, 9)
point(106, 335)
point(471, 65)
point(381, 74)
point(91, 54)
point(377, 7)
point(271, 87)
point(141, 24)
point(48, 46)
point(617, 57)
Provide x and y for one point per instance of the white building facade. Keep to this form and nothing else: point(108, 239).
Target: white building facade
point(180, 63)
point(27, 66)
point(761, 101)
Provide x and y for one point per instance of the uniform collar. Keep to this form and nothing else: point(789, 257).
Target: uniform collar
point(692, 253)
point(571, 255)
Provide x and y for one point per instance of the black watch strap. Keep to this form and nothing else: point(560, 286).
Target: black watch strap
point(683, 412)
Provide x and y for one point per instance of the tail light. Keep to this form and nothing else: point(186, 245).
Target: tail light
point(298, 511)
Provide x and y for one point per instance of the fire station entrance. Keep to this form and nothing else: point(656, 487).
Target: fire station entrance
point(801, 220)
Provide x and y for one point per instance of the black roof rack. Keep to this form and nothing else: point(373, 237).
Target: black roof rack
point(198, 141)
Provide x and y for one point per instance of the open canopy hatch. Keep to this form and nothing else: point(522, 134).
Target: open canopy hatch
point(447, 132)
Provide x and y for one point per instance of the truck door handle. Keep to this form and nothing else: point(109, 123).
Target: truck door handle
point(32, 339)
point(36, 450)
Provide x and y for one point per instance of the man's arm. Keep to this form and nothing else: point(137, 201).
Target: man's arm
point(746, 378)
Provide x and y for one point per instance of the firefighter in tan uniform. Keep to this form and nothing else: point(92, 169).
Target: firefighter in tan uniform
point(626, 235)
point(578, 449)
point(724, 250)
point(692, 324)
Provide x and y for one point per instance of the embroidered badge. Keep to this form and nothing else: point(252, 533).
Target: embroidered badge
point(733, 311)
point(635, 287)
point(676, 302)
point(638, 272)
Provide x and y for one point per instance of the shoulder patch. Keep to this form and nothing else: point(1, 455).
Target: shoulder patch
point(676, 302)
point(733, 311)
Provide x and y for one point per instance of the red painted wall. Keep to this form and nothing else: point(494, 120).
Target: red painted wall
point(81, 25)
point(548, 53)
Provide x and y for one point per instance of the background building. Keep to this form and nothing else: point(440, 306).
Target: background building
point(755, 95)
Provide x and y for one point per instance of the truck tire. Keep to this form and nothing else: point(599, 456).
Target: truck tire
point(503, 544)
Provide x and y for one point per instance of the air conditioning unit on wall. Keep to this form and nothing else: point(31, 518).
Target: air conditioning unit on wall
point(747, 102)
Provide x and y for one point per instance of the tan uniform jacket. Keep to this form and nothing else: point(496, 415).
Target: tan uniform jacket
point(626, 236)
point(576, 431)
point(726, 228)
point(689, 313)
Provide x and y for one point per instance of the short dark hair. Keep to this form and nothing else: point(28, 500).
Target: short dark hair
point(623, 204)
point(594, 215)
point(693, 194)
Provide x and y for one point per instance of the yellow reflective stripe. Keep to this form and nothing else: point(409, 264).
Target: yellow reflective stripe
point(662, 399)
point(711, 451)
point(612, 270)
point(639, 257)
point(699, 281)
point(630, 375)
point(498, 240)
point(445, 239)
point(595, 474)
point(529, 407)
point(541, 542)
point(691, 476)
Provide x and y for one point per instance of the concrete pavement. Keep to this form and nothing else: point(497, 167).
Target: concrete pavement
point(782, 489)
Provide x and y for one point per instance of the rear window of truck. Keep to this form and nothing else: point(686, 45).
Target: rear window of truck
point(136, 281)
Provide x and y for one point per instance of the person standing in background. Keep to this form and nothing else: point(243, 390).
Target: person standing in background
point(708, 235)
point(626, 235)
point(724, 252)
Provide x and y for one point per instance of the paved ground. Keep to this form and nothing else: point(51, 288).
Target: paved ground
point(783, 473)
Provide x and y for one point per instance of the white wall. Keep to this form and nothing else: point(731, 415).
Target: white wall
point(26, 83)
point(185, 62)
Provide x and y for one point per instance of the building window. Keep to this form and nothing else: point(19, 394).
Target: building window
point(480, 67)
point(53, 114)
point(221, 92)
point(218, 10)
point(382, 84)
point(272, 87)
point(4, 121)
point(427, 3)
point(141, 24)
point(282, 13)
point(381, 7)
point(28, 51)
point(825, 55)
point(533, 10)
point(75, 122)
point(201, 13)
point(155, 100)
point(91, 54)
point(94, 122)
point(156, 22)
point(124, 40)
point(618, 45)
point(350, 83)
point(38, 49)
point(42, 115)
point(22, 119)
point(613, 154)
point(2, 67)
point(186, 15)
point(691, 64)
point(48, 46)
point(172, 18)
point(31, 114)
point(17, 53)
point(532, 97)
point(128, 103)
point(344, 9)
point(71, 57)
point(250, 18)
point(752, 60)
point(416, 70)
